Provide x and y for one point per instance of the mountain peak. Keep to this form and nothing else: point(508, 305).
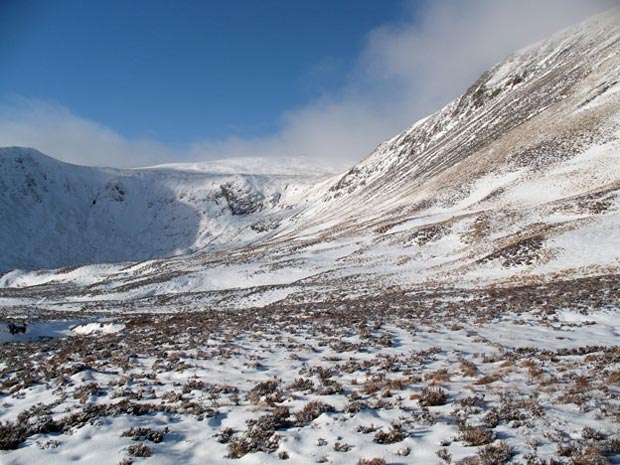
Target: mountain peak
point(17, 151)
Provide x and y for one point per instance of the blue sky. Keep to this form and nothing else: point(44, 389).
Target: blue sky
point(178, 71)
point(141, 82)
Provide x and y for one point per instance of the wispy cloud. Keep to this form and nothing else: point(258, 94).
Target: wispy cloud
point(54, 130)
point(405, 71)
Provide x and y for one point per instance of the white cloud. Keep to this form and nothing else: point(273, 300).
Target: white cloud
point(405, 71)
point(56, 131)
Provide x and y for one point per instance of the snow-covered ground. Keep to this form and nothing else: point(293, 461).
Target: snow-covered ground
point(320, 385)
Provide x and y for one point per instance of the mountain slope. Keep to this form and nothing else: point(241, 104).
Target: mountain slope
point(540, 106)
point(529, 154)
point(59, 214)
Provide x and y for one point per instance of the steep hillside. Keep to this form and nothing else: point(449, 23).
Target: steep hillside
point(56, 214)
point(503, 181)
point(523, 118)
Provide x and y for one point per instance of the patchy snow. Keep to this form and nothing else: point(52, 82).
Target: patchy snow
point(221, 372)
point(22, 330)
point(36, 330)
point(101, 327)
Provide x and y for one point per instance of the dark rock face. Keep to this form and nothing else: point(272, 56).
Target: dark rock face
point(264, 225)
point(242, 199)
point(17, 328)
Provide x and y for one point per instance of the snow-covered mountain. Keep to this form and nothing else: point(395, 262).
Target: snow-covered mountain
point(518, 179)
point(521, 172)
point(56, 214)
point(521, 120)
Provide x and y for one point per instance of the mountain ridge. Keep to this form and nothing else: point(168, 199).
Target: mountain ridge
point(93, 214)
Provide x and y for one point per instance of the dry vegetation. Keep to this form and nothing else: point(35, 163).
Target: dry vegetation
point(293, 366)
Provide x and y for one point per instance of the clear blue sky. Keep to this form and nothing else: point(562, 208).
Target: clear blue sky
point(177, 71)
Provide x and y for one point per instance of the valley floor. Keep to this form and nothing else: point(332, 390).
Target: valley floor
point(502, 375)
